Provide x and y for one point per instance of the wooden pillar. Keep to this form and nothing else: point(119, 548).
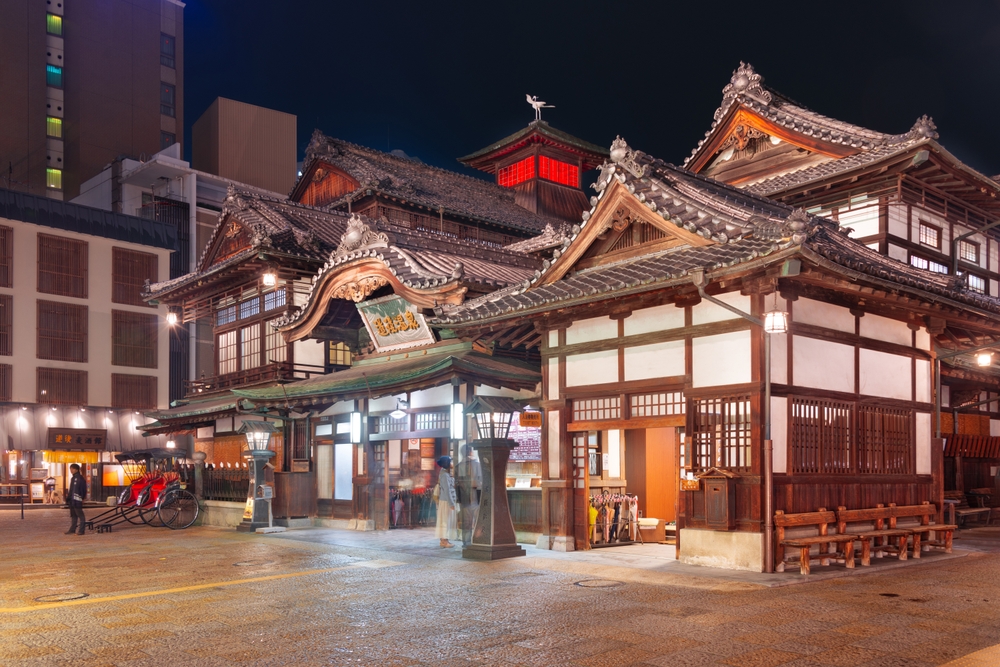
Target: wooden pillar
point(937, 475)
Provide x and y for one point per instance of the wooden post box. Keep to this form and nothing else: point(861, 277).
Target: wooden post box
point(720, 498)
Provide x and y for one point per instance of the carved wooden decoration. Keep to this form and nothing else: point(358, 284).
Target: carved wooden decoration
point(235, 239)
point(360, 290)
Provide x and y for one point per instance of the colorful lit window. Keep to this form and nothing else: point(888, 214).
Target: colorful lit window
point(558, 172)
point(53, 127)
point(53, 179)
point(518, 172)
point(53, 24)
point(53, 76)
point(976, 283)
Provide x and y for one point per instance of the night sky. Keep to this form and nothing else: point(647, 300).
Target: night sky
point(440, 80)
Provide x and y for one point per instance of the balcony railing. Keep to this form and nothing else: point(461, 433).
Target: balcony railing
point(275, 372)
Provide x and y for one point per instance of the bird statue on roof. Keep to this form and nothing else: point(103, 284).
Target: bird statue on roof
point(538, 105)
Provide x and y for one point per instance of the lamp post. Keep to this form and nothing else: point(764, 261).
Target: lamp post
point(257, 513)
point(493, 535)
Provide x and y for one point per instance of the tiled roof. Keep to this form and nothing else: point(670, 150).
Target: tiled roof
point(545, 130)
point(423, 185)
point(746, 89)
point(552, 237)
point(744, 227)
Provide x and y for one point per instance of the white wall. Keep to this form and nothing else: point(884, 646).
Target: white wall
point(882, 328)
point(779, 434)
point(822, 364)
point(721, 359)
point(597, 328)
point(654, 361)
point(658, 318)
point(592, 368)
point(923, 462)
point(820, 314)
point(706, 311)
point(886, 375)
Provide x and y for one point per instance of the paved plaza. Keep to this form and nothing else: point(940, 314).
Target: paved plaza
point(211, 596)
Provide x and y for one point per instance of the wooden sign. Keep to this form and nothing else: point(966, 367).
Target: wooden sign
point(531, 419)
point(393, 323)
point(77, 438)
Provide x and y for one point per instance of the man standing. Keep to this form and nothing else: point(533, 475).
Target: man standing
point(77, 492)
point(469, 476)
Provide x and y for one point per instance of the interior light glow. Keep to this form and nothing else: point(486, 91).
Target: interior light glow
point(270, 279)
point(172, 319)
point(984, 358)
point(776, 322)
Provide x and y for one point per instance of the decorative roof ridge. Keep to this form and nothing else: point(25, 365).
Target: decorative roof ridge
point(542, 127)
point(746, 89)
point(502, 252)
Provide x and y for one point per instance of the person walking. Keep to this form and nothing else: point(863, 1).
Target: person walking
point(446, 500)
point(74, 498)
point(50, 490)
point(469, 479)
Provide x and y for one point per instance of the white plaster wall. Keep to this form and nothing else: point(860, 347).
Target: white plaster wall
point(884, 375)
point(384, 403)
point(995, 427)
point(706, 311)
point(341, 408)
point(863, 221)
point(923, 376)
point(311, 352)
point(883, 328)
point(945, 396)
point(822, 364)
point(820, 314)
point(552, 443)
point(553, 339)
point(592, 368)
point(483, 390)
point(923, 341)
point(654, 361)
point(596, 328)
point(659, 318)
point(614, 440)
point(897, 220)
point(779, 434)
point(432, 398)
point(721, 359)
point(779, 358)
point(553, 380)
point(898, 253)
point(99, 307)
point(923, 443)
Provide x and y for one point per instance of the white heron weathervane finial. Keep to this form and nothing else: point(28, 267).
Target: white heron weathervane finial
point(538, 105)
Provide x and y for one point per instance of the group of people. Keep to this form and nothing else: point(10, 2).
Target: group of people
point(457, 498)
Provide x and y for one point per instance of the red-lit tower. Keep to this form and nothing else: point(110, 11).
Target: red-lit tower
point(543, 165)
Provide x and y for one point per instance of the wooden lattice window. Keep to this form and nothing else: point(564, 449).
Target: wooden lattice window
point(722, 433)
point(6, 257)
point(62, 331)
point(226, 349)
point(62, 266)
point(61, 386)
point(515, 173)
point(250, 346)
point(433, 421)
point(659, 404)
point(135, 392)
point(558, 171)
point(276, 348)
point(130, 269)
point(386, 424)
point(821, 435)
point(885, 440)
point(6, 382)
point(595, 409)
point(338, 354)
point(6, 325)
point(133, 339)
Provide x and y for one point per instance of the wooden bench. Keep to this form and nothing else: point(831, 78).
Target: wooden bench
point(958, 508)
point(823, 540)
point(983, 498)
point(875, 536)
point(924, 511)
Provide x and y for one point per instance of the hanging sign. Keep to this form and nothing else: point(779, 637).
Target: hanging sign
point(530, 419)
point(77, 438)
point(394, 324)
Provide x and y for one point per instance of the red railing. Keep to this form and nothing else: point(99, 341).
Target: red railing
point(275, 372)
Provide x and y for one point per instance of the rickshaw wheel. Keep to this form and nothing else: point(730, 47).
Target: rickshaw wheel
point(179, 509)
point(150, 516)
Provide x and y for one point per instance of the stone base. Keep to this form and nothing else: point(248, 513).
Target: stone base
point(294, 523)
point(730, 550)
point(272, 529)
point(495, 552)
point(251, 527)
point(556, 543)
point(220, 513)
point(361, 524)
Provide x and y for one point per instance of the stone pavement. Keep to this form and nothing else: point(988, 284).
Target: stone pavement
point(209, 596)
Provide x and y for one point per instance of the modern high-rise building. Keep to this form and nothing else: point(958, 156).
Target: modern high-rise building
point(246, 143)
point(84, 83)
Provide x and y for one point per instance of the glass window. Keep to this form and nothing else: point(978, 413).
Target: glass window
point(558, 171)
point(167, 139)
point(167, 94)
point(930, 235)
point(968, 251)
point(937, 268)
point(53, 127)
point(167, 49)
point(518, 172)
point(976, 283)
point(339, 354)
point(53, 76)
point(53, 179)
point(53, 24)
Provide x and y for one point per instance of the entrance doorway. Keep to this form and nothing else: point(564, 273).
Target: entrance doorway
point(651, 471)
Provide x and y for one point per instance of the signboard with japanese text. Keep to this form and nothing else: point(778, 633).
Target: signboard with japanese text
point(530, 419)
point(529, 440)
point(394, 324)
point(77, 438)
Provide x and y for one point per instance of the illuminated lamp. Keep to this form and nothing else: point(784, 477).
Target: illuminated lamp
point(172, 319)
point(270, 278)
point(457, 421)
point(257, 513)
point(776, 322)
point(171, 444)
point(984, 359)
point(356, 428)
point(400, 410)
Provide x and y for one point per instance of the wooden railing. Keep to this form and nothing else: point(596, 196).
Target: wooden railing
point(226, 484)
point(279, 371)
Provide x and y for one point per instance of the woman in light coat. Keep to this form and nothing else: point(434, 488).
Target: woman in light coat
point(446, 504)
